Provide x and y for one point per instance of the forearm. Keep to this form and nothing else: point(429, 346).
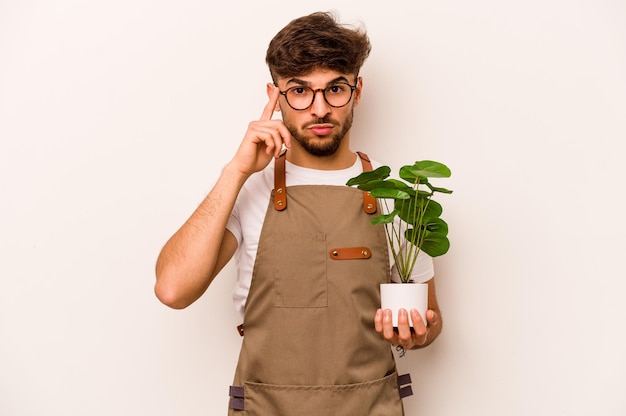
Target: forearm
point(191, 257)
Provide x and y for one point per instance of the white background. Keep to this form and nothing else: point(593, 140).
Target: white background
point(116, 116)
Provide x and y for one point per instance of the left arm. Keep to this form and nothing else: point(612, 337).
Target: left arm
point(420, 335)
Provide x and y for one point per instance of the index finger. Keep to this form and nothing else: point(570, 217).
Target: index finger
point(271, 104)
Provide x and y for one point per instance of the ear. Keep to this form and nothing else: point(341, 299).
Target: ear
point(270, 87)
point(358, 91)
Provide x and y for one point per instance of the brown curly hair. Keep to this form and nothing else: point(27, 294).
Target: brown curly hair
point(317, 41)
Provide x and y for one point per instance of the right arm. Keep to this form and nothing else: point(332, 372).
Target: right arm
point(194, 255)
point(202, 246)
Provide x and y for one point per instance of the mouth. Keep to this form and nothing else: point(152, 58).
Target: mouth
point(321, 129)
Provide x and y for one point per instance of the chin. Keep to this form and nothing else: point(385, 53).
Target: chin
point(324, 150)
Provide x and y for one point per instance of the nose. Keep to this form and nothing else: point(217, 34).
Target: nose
point(320, 107)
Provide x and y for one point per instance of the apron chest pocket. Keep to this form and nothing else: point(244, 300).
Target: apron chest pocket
point(300, 277)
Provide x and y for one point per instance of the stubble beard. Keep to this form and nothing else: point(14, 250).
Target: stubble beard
point(324, 147)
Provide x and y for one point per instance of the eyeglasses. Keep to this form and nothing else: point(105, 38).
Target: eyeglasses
point(336, 95)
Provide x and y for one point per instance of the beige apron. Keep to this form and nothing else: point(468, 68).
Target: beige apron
point(310, 348)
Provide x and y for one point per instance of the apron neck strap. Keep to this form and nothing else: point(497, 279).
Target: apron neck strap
point(280, 187)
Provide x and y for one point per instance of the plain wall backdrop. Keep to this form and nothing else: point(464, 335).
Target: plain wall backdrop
point(116, 116)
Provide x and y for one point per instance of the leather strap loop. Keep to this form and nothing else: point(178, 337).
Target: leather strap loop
point(369, 202)
point(280, 188)
point(350, 253)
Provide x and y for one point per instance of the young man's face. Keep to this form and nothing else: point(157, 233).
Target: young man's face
point(319, 127)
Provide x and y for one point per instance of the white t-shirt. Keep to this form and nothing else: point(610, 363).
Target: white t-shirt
point(248, 215)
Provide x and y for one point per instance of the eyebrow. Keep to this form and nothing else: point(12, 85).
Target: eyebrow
point(299, 81)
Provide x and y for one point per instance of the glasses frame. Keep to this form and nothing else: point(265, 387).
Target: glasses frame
point(315, 91)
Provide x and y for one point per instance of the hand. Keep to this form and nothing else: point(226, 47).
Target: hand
point(263, 140)
point(404, 335)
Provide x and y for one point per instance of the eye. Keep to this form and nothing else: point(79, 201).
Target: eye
point(298, 90)
point(337, 89)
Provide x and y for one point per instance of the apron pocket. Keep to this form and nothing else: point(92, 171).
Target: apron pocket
point(300, 277)
point(375, 398)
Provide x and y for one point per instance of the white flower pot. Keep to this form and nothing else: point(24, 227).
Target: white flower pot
point(396, 296)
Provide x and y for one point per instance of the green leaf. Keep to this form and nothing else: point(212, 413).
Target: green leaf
point(413, 209)
point(376, 174)
point(430, 226)
point(433, 210)
point(436, 225)
point(431, 169)
point(402, 186)
point(434, 244)
point(406, 173)
point(389, 193)
point(377, 183)
point(424, 169)
point(384, 218)
point(436, 189)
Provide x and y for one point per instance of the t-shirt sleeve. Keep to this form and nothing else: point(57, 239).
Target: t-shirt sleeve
point(234, 225)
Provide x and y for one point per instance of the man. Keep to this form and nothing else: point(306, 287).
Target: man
point(315, 342)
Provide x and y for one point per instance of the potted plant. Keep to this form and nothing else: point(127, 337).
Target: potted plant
point(412, 222)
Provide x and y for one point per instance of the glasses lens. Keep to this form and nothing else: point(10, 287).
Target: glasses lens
point(299, 98)
point(338, 95)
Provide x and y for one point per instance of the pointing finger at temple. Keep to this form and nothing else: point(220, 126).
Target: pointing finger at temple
point(271, 104)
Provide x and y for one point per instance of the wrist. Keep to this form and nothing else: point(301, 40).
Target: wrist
point(233, 172)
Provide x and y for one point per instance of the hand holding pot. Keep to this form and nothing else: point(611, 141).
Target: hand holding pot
point(420, 335)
